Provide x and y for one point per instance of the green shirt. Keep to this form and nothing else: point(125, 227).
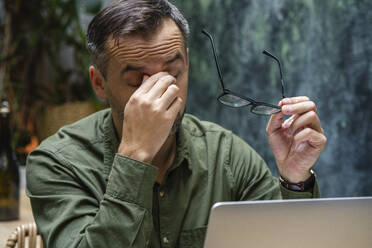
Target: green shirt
point(83, 194)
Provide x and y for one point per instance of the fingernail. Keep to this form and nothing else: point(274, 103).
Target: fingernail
point(286, 124)
point(286, 101)
point(287, 108)
point(145, 77)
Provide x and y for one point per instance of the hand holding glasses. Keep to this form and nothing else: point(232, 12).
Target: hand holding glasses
point(236, 100)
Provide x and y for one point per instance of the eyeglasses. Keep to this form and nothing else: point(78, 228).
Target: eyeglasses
point(235, 100)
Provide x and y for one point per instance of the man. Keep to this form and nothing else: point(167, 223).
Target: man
point(143, 174)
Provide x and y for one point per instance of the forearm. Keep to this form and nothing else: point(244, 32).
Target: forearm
point(124, 218)
point(71, 217)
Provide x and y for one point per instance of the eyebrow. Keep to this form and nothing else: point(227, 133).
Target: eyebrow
point(130, 68)
point(174, 58)
point(127, 68)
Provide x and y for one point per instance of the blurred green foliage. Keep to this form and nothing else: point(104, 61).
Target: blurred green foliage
point(43, 57)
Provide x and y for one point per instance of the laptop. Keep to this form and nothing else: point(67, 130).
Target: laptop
point(310, 223)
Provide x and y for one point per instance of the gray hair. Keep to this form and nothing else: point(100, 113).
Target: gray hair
point(127, 17)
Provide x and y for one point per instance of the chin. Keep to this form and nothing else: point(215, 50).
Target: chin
point(176, 124)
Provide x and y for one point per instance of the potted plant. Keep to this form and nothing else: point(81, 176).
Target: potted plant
point(43, 65)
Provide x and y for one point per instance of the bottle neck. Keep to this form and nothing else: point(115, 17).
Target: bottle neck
point(5, 134)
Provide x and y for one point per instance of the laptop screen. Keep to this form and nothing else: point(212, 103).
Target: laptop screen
point(328, 223)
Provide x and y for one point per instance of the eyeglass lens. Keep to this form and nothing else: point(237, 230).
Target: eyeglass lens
point(233, 100)
point(264, 110)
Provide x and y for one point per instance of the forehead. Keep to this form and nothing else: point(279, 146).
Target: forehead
point(165, 42)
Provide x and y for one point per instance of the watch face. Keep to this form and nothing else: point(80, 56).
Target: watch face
point(299, 187)
point(302, 186)
point(292, 186)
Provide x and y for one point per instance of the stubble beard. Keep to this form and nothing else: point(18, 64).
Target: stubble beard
point(177, 123)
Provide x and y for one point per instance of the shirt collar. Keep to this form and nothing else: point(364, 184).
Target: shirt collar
point(110, 140)
point(183, 148)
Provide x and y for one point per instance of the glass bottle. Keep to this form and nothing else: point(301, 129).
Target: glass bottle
point(9, 169)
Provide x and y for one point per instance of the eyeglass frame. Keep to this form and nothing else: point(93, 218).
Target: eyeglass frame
point(252, 102)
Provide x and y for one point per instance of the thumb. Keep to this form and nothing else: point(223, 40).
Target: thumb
point(275, 123)
point(145, 77)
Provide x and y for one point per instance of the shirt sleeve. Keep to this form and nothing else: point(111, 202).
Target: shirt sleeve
point(253, 179)
point(69, 216)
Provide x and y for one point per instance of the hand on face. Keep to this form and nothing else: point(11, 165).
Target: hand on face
point(149, 116)
point(297, 142)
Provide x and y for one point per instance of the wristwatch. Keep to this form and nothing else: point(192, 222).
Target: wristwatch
point(301, 186)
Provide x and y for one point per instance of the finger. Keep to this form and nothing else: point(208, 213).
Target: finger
point(299, 108)
point(161, 86)
point(287, 123)
point(292, 100)
point(313, 138)
point(168, 97)
point(274, 123)
point(149, 82)
point(175, 108)
point(309, 119)
point(145, 77)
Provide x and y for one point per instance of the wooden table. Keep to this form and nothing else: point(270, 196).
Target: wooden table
point(6, 227)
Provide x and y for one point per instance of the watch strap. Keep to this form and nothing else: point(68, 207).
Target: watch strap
point(301, 186)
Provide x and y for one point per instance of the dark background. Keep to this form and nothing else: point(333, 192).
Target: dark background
point(326, 52)
point(325, 48)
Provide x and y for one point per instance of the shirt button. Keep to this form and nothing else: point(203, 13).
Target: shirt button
point(161, 193)
point(165, 240)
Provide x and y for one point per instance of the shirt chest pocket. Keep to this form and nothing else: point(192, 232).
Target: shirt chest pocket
point(193, 238)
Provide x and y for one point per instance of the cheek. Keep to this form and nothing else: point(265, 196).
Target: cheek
point(119, 96)
point(182, 83)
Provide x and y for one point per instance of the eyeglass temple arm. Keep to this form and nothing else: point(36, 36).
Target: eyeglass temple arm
point(215, 58)
point(280, 69)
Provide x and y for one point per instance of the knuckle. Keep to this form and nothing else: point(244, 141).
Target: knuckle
point(168, 117)
point(169, 77)
point(307, 131)
point(173, 88)
point(179, 101)
point(312, 105)
point(166, 79)
point(134, 99)
point(163, 74)
point(156, 111)
point(145, 103)
point(160, 81)
point(312, 114)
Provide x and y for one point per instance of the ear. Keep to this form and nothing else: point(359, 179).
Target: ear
point(187, 58)
point(98, 82)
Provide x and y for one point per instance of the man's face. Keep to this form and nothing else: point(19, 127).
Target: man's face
point(134, 58)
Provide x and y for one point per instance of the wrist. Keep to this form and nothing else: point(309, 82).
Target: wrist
point(304, 185)
point(133, 153)
point(295, 176)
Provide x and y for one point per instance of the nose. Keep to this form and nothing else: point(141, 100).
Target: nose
point(154, 67)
